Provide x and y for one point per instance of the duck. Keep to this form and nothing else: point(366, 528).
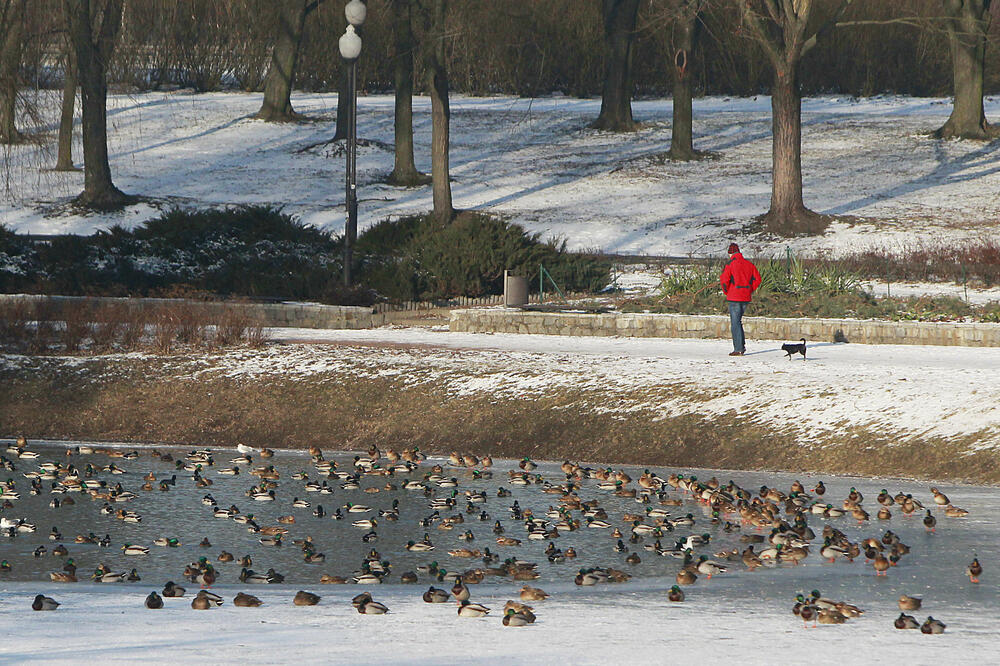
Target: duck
point(686, 577)
point(710, 567)
point(929, 521)
point(154, 601)
point(932, 626)
point(881, 565)
point(468, 609)
point(675, 594)
point(173, 590)
point(303, 598)
point(130, 549)
point(827, 616)
point(974, 570)
point(940, 498)
point(909, 603)
point(368, 606)
point(905, 621)
point(205, 600)
point(434, 595)
point(242, 600)
point(460, 591)
point(44, 603)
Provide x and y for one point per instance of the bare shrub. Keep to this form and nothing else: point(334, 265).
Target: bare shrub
point(76, 326)
point(133, 325)
point(166, 328)
point(256, 336)
point(14, 329)
point(190, 324)
point(108, 326)
point(232, 327)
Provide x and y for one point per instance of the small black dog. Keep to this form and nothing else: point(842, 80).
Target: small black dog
point(793, 348)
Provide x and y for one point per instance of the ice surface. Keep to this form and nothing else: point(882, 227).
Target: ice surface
point(740, 616)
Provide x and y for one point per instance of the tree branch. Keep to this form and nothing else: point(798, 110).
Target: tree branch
point(756, 23)
point(826, 27)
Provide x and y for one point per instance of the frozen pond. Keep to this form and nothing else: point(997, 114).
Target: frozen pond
point(741, 612)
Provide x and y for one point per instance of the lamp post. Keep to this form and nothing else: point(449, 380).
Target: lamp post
point(350, 49)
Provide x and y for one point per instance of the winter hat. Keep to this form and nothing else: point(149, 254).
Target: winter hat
point(733, 248)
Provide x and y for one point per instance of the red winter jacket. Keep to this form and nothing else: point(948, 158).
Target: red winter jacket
point(739, 279)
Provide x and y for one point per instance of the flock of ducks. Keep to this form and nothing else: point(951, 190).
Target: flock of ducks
point(774, 520)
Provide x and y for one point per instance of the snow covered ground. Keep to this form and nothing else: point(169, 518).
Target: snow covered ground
point(887, 388)
point(536, 161)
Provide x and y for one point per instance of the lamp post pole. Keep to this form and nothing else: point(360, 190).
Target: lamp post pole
point(350, 49)
point(351, 174)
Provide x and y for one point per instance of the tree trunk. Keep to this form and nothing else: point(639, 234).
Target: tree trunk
point(93, 50)
point(64, 159)
point(616, 100)
point(685, 36)
point(405, 171)
point(437, 84)
point(788, 215)
point(277, 106)
point(967, 26)
point(10, 65)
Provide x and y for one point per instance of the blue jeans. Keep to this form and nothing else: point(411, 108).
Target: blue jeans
point(736, 310)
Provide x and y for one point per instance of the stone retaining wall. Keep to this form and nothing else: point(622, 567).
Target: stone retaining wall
point(276, 315)
point(509, 320)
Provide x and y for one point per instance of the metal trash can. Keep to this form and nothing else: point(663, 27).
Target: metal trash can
point(515, 290)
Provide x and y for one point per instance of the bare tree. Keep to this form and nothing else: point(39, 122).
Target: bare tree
point(64, 156)
point(405, 171)
point(616, 99)
point(437, 85)
point(967, 23)
point(686, 15)
point(93, 27)
point(12, 24)
point(787, 31)
point(277, 105)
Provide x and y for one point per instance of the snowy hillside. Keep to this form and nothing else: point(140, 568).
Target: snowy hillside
point(536, 161)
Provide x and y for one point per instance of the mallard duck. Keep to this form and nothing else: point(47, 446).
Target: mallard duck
point(807, 612)
point(62, 577)
point(250, 577)
point(974, 570)
point(246, 600)
point(940, 498)
point(303, 598)
point(226, 556)
point(171, 542)
point(881, 565)
point(154, 601)
point(686, 577)
point(460, 591)
point(370, 607)
point(173, 590)
point(327, 579)
point(130, 549)
point(469, 609)
point(909, 603)
point(929, 521)
point(435, 596)
point(955, 512)
point(513, 618)
point(884, 513)
point(826, 616)
point(418, 546)
point(44, 603)
point(408, 577)
point(675, 593)
point(205, 600)
point(932, 626)
point(905, 621)
point(710, 567)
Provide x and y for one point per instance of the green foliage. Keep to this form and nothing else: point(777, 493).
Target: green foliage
point(689, 279)
point(415, 257)
point(260, 252)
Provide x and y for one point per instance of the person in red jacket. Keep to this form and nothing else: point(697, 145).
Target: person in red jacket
point(739, 279)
